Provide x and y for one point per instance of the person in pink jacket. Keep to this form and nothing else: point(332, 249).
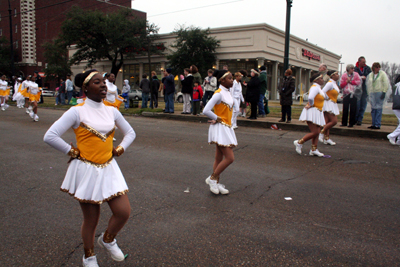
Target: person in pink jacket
point(350, 83)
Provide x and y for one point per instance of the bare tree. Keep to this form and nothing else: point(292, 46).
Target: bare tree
point(392, 70)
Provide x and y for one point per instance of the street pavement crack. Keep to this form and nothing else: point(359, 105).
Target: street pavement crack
point(240, 148)
point(73, 251)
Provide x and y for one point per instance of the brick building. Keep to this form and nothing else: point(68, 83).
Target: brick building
point(35, 22)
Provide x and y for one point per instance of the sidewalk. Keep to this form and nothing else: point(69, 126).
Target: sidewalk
point(295, 125)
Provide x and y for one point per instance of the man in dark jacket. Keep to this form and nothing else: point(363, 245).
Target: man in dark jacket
point(253, 93)
point(61, 91)
point(154, 85)
point(363, 70)
point(263, 90)
point(169, 88)
point(285, 93)
point(145, 86)
point(187, 90)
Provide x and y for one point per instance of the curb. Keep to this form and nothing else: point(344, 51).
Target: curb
point(294, 126)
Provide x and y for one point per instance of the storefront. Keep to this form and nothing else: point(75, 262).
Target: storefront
point(242, 47)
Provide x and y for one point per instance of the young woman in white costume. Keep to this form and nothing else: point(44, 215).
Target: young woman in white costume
point(313, 115)
point(93, 176)
point(4, 93)
point(220, 132)
point(112, 99)
point(237, 98)
point(330, 107)
point(34, 98)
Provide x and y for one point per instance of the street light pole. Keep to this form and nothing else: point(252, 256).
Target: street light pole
point(11, 39)
point(287, 35)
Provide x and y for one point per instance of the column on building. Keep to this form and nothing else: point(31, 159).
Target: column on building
point(141, 70)
point(308, 76)
point(298, 79)
point(217, 64)
point(274, 82)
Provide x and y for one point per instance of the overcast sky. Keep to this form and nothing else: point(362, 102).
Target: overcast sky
point(345, 27)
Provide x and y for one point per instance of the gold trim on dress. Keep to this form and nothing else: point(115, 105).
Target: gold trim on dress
point(97, 165)
point(103, 137)
point(225, 124)
point(213, 142)
point(96, 202)
point(230, 108)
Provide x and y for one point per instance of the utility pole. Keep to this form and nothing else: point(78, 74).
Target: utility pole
point(287, 36)
point(11, 39)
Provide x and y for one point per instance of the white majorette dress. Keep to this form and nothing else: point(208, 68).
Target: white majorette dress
point(316, 100)
point(331, 91)
point(94, 177)
point(4, 89)
point(237, 98)
point(112, 99)
point(221, 133)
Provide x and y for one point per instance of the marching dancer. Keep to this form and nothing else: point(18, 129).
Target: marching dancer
point(34, 98)
point(18, 97)
point(112, 99)
point(313, 115)
point(237, 98)
point(220, 132)
point(4, 93)
point(330, 107)
point(93, 176)
point(25, 93)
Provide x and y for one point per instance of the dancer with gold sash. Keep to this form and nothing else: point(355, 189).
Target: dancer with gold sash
point(25, 93)
point(4, 93)
point(112, 99)
point(34, 97)
point(221, 132)
point(313, 115)
point(93, 176)
point(330, 108)
point(18, 97)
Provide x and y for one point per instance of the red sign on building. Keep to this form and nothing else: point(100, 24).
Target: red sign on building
point(311, 55)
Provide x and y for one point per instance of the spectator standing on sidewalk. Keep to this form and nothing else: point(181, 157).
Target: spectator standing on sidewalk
point(69, 88)
point(263, 90)
point(209, 85)
point(285, 93)
point(187, 90)
point(396, 110)
point(377, 85)
point(197, 95)
point(145, 86)
point(125, 93)
point(61, 91)
point(323, 70)
point(169, 88)
point(348, 82)
point(154, 87)
point(363, 70)
point(253, 93)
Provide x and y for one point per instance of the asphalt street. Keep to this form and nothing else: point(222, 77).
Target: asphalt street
point(283, 209)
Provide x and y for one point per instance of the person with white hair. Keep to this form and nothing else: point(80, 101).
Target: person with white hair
point(125, 91)
point(348, 82)
point(323, 70)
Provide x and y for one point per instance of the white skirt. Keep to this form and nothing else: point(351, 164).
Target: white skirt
point(90, 184)
point(331, 107)
point(222, 135)
point(17, 96)
point(313, 115)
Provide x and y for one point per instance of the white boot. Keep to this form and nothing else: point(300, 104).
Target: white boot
point(321, 138)
point(329, 142)
point(90, 261)
point(213, 185)
point(298, 146)
point(316, 153)
point(112, 248)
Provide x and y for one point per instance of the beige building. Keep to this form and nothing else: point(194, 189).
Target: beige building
point(242, 47)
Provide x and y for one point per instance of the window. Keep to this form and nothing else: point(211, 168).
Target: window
point(16, 28)
point(16, 44)
point(15, 12)
point(1, 32)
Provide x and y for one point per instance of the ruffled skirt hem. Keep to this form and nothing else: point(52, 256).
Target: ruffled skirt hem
point(331, 107)
point(222, 135)
point(89, 184)
point(313, 115)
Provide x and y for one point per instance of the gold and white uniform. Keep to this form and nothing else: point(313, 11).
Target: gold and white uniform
point(4, 89)
point(221, 133)
point(316, 98)
point(95, 176)
point(112, 99)
point(332, 91)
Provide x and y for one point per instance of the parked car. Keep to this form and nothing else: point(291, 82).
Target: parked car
point(179, 97)
point(135, 94)
point(47, 92)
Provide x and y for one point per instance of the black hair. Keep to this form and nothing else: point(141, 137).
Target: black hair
point(80, 77)
point(144, 76)
point(219, 73)
point(397, 79)
point(331, 72)
point(313, 77)
point(243, 72)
